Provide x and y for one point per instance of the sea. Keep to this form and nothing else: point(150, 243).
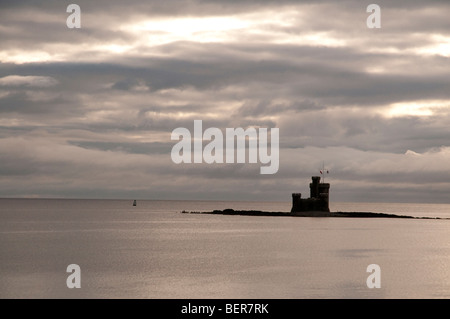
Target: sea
point(154, 251)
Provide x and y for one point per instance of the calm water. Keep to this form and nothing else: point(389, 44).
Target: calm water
point(154, 251)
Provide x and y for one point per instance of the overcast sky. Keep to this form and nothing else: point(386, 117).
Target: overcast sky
point(88, 113)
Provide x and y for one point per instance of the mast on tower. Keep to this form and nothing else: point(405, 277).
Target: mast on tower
point(323, 171)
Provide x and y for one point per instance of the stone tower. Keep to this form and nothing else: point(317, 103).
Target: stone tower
point(318, 201)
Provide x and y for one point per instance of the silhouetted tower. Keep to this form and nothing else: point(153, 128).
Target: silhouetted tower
point(314, 187)
point(296, 202)
point(319, 198)
point(324, 196)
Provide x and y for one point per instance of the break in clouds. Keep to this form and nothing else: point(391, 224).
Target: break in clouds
point(89, 112)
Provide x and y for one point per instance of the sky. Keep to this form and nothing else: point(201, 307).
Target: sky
point(88, 112)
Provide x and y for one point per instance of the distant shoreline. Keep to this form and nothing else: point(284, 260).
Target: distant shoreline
point(230, 211)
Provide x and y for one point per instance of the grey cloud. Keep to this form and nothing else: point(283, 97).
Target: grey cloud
point(266, 107)
point(23, 103)
point(132, 148)
point(363, 132)
point(27, 81)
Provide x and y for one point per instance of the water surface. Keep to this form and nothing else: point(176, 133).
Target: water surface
point(154, 251)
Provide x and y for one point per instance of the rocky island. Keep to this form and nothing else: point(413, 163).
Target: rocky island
point(317, 205)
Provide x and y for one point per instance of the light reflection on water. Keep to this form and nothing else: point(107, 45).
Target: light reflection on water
point(154, 251)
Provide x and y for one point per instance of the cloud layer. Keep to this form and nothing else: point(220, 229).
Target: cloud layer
point(89, 112)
